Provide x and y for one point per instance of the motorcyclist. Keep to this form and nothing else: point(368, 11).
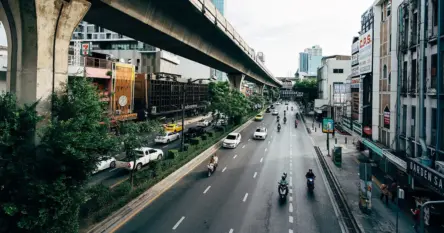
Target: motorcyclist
point(283, 180)
point(296, 122)
point(214, 159)
point(285, 120)
point(279, 126)
point(310, 174)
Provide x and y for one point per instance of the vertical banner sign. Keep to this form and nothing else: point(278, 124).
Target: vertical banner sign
point(386, 117)
point(327, 125)
point(86, 49)
point(123, 98)
point(365, 52)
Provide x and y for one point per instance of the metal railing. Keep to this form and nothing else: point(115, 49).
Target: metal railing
point(210, 11)
point(91, 62)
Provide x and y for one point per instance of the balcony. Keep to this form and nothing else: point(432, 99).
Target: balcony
point(90, 62)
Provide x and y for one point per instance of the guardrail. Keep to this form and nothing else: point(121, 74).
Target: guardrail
point(211, 12)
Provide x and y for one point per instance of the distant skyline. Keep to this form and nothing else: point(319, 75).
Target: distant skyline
point(284, 28)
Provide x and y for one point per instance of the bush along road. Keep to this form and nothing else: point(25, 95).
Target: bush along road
point(103, 201)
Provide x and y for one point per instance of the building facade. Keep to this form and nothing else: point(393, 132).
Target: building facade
point(303, 62)
point(219, 75)
point(310, 60)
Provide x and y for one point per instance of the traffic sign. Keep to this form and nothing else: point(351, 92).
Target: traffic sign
point(86, 49)
point(327, 125)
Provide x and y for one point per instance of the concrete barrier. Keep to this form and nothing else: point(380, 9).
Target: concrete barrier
point(118, 218)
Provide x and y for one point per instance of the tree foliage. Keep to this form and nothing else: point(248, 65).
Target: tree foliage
point(309, 87)
point(228, 101)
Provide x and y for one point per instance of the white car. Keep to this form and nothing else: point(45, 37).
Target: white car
point(261, 133)
point(105, 164)
point(221, 122)
point(143, 156)
point(203, 123)
point(232, 140)
point(275, 112)
point(167, 137)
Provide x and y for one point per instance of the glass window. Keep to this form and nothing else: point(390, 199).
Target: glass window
point(413, 76)
point(434, 71)
point(404, 119)
point(384, 72)
point(412, 123)
point(433, 127)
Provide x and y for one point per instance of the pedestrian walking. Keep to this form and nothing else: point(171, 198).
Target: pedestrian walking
point(384, 193)
point(416, 217)
point(394, 190)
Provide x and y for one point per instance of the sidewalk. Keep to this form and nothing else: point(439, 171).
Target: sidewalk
point(382, 219)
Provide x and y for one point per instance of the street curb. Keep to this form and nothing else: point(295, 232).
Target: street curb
point(121, 216)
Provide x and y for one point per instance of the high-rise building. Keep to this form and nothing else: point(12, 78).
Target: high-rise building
point(220, 5)
point(303, 62)
point(220, 76)
point(310, 60)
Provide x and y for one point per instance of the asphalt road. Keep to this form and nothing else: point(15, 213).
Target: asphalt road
point(242, 196)
point(110, 177)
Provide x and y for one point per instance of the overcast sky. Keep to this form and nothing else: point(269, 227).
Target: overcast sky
point(283, 28)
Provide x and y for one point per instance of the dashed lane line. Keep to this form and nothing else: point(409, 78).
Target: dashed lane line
point(290, 208)
point(225, 168)
point(245, 197)
point(243, 146)
point(234, 156)
point(290, 219)
point(261, 159)
point(206, 190)
point(255, 174)
point(178, 223)
point(231, 231)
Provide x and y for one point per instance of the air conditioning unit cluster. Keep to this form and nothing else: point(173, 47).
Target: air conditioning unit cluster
point(439, 166)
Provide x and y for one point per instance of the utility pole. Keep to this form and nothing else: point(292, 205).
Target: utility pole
point(182, 141)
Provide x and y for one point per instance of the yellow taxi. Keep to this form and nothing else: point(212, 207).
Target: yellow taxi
point(173, 127)
point(259, 117)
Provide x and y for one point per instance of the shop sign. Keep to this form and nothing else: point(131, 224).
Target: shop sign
point(126, 117)
point(365, 52)
point(367, 130)
point(327, 125)
point(355, 82)
point(386, 117)
point(86, 49)
point(355, 59)
point(190, 106)
point(355, 47)
point(426, 175)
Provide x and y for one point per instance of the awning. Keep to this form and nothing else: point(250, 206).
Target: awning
point(400, 163)
point(372, 147)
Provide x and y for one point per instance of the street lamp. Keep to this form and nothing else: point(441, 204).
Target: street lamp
point(189, 81)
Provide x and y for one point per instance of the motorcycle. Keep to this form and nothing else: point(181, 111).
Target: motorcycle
point(283, 190)
point(211, 168)
point(296, 124)
point(285, 120)
point(310, 184)
point(279, 129)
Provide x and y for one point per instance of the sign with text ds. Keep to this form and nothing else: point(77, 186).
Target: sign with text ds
point(327, 125)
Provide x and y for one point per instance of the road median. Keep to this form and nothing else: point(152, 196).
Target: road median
point(117, 218)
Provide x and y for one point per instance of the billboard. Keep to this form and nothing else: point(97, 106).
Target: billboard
point(355, 47)
point(123, 89)
point(355, 59)
point(355, 82)
point(366, 52)
point(328, 125)
point(354, 71)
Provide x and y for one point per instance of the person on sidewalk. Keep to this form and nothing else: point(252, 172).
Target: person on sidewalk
point(416, 217)
point(384, 193)
point(394, 190)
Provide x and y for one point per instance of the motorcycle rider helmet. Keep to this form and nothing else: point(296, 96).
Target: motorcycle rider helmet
point(283, 177)
point(309, 170)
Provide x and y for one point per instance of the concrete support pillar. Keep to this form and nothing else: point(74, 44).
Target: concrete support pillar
point(38, 33)
point(236, 80)
point(261, 87)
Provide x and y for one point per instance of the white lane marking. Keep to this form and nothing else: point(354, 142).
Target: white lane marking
point(234, 156)
point(290, 208)
point(291, 173)
point(231, 231)
point(291, 199)
point(261, 160)
point(178, 223)
point(291, 191)
point(243, 146)
point(249, 139)
point(290, 219)
point(268, 142)
point(255, 174)
point(164, 146)
point(291, 180)
point(266, 149)
point(112, 169)
point(206, 190)
point(225, 168)
point(271, 135)
point(245, 197)
point(290, 231)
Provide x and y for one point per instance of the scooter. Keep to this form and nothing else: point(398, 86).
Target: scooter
point(285, 120)
point(296, 124)
point(279, 129)
point(211, 168)
point(310, 184)
point(283, 190)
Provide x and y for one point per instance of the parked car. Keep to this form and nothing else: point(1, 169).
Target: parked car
point(173, 128)
point(203, 123)
point(167, 137)
point(232, 140)
point(194, 132)
point(268, 110)
point(260, 133)
point(106, 163)
point(143, 156)
point(259, 117)
point(221, 122)
point(275, 112)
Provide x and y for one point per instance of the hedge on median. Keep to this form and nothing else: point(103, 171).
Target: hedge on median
point(103, 201)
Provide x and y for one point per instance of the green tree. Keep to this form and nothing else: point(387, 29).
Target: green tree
point(309, 87)
point(47, 180)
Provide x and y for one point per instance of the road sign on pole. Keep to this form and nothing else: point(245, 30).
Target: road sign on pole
point(327, 125)
point(86, 49)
